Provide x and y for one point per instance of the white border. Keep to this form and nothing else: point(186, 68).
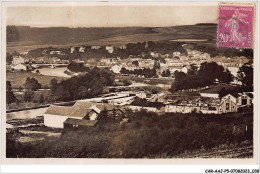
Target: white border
point(129, 168)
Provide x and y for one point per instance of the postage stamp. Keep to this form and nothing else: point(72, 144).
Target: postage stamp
point(236, 26)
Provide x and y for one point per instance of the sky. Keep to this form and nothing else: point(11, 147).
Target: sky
point(110, 16)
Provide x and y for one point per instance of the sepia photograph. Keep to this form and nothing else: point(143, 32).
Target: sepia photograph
point(129, 80)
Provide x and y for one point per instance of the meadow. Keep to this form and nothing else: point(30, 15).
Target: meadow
point(147, 135)
point(17, 79)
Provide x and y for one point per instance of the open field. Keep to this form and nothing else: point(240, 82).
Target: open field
point(17, 79)
point(31, 38)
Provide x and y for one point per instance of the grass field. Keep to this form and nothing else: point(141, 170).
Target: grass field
point(17, 79)
point(30, 38)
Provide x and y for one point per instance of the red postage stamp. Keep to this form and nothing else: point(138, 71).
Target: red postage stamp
point(236, 26)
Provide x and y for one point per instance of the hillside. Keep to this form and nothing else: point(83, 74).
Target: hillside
point(25, 36)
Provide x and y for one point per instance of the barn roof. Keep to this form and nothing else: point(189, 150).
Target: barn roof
point(80, 113)
point(81, 122)
point(59, 110)
point(82, 105)
point(102, 106)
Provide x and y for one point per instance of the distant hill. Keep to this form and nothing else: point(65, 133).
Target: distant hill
point(29, 36)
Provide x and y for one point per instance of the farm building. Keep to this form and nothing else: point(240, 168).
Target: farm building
point(17, 60)
point(210, 94)
point(80, 112)
point(19, 67)
point(228, 103)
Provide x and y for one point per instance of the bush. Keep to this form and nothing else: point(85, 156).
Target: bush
point(147, 135)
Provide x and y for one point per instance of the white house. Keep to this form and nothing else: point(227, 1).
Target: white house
point(184, 69)
point(82, 49)
point(110, 49)
point(176, 54)
point(209, 94)
point(56, 116)
point(19, 67)
point(72, 49)
point(95, 47)
point(17, 60)
point(116, 69)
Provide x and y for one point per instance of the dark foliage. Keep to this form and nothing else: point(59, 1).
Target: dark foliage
point(146, 72)
point(83, 86)
point(10, 97)
point(32, 84)
point(206, 76)
point(78, 67)
point(147, 135)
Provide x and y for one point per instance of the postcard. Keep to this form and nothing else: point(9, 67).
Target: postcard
point(129, 83)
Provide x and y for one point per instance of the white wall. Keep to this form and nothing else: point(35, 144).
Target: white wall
point(93, 116)
point(209, 112)
point(209, 95)
point(54, 120)
point(138, 108)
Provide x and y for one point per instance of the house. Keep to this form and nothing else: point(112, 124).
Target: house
point(176, 54)
point(55, 116)
point(228, 104)
point(19, 67)
point(72, 49)
point(55, 52)
point(131, 67)
point(184, 69)
point(82, 49)
point(95, 47)
point(116, 69)
point(172, 69)
point(122, 47)
point(17, 60)
point(110, 49)
point(209, 93)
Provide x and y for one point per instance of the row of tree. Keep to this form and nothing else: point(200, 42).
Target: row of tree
point(207, 75)
point(146, 72)
point(83, 86)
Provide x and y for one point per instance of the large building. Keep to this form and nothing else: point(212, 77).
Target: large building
point(82, 112)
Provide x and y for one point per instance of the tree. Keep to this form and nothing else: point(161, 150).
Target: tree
point(41, 99)
point(10, 97)
point(28, 96)
point(61, 94)
point(83, 92)
point(103, 115)
point(209, 72)
point(32, 84)
point(166, 73)
point(136, 63)
point(9, 58)
point(156, 64)
point(53, 85)
point(245, 76)
point(193, 70)
point(226, 77)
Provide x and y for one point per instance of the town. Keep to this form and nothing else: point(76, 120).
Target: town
point(220, 95)
point(149, 99)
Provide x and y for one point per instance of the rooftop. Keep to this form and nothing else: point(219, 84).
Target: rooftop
point(90, 123)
